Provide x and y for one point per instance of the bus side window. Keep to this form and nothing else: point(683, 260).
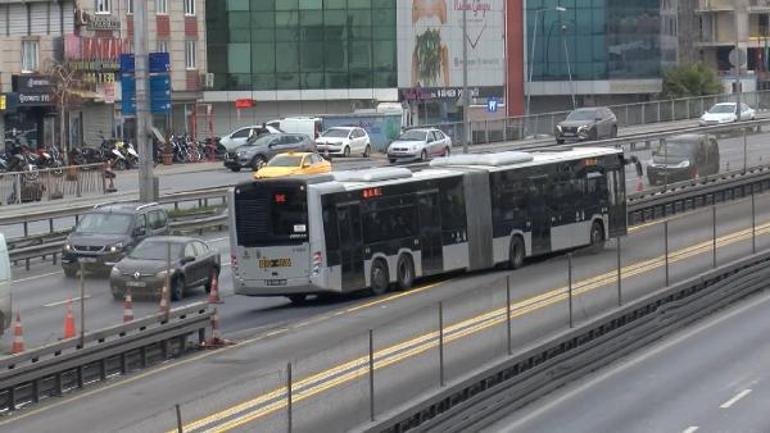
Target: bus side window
point(330, 230)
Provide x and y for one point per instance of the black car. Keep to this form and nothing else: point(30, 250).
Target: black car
point(583, 124)
point(684, 157)
point(107, 233)
point(258, 150)
point(186, 262)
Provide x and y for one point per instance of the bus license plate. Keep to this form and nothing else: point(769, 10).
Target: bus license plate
point(275, 282)
point(274, 263)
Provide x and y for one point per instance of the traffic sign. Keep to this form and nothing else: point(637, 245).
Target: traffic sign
point(737, 57)
point(127, 63)
point(492, 104)
point(159, 63)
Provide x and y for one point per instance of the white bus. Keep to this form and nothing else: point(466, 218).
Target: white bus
point(381, 228)
point(5, 286)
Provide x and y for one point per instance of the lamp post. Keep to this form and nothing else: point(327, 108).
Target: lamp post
point(531, 60)
point(569, 67)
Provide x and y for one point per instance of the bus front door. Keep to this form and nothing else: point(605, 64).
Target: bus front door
point(351, 247)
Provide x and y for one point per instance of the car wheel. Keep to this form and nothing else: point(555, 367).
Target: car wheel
point(405, 272)
point(379, 278)
point(593, 135)
point(424, 155)
point(235, 169)
point(597, 237)
point(258, 162)
point(614, 132)
point(298, 299)
point(346, 152)
point(177, 289)
point(516, 253)
point(214, 275)
point(392, 161)
point(367, 150)
point(447, 151)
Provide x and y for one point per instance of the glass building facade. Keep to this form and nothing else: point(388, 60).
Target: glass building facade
point(301, 44)
point(605, 39)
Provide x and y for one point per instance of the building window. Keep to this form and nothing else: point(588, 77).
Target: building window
point(162, 45)
point(190, 50)
point(189, 7)
point(161, 7)
point(29, 56)
point(129, 7)
point(103, 6)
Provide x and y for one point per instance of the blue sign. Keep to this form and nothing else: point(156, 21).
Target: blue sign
point(127, 64)
point(160, 106)
point(128, 94)
point(159, 63)
point(492, 105)
point(160, 93)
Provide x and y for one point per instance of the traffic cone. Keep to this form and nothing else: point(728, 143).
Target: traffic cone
point(214, 293)
point(18, 335)
point(164, 310)
point(215, 340)
point(639, 185)
point(128, 307)
point(69, 322)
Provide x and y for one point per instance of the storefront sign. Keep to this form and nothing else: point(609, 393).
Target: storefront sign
point(423, 94)
point(35, 99)
point(32, 90)
point(96, 22)
point(95, 60)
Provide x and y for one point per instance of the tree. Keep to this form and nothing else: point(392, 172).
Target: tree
point(63, 83)
point(690, 80)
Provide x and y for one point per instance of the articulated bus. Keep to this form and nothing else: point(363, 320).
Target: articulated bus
point(380, 228)
point(5, 286)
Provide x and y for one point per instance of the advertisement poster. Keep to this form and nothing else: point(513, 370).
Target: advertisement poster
point(430, 50)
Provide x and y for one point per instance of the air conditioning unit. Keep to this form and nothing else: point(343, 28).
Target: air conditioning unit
point(207, 80)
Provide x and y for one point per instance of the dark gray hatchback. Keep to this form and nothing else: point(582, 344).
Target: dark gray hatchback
point(257, 151)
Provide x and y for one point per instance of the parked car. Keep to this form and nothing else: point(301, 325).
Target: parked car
point(726, 112)
point(591, 123)
point(684, 157)
point(344, 140)
point(256, 152)
point(292, 164)
point(239, 137)
point(419, 144)
point(145, 269)
point(107, 233)
point(310, 126)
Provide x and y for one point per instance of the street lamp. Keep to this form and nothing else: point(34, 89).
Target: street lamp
point(532, 51)
point(569, 67)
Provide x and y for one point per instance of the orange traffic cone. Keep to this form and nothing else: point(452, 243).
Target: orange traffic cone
point(69, 322)
point(128, 308)
point(639, 185)
point(164, 309)
point(215, 340)
point(18, 335)
point(214, 293)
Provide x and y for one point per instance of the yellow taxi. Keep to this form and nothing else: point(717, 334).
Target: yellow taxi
point(293, 163)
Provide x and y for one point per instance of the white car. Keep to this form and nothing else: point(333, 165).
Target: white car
point(344, 140)
point(240, 136)
point(726, 112)
point(419, 144)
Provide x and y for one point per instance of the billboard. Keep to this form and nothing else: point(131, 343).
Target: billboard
point(430, 49)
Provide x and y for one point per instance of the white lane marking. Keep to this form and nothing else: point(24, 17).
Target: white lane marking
point(732, 401)
point(691, 429)
point(56, 304)
point(37, 277)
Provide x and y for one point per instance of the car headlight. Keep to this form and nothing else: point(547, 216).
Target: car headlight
point(67, 247)
point(114, 272)
point(117, 247)
point(558, 128)
point(683, 164)
point(583, 128)
point(162, 274)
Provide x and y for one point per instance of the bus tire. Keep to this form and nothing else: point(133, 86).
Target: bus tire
point(405, 272)
point(597, 237)
point(300, 299)
point(516, 253)
point(380, 280)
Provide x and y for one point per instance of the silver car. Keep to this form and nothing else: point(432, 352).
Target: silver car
point(419, 144)
point(257, 151)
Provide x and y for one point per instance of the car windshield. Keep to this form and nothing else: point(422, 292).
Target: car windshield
point(336, 133)
point(675, 151)
point(156, 250)
point(413, 135)
point(104, 223)
point(285, 161)
point(722, 108)
point(583, 115)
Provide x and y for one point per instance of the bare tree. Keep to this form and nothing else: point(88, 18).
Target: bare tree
point(64, 82)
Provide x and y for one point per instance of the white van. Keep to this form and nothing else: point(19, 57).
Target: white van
point(5, 286)
point(310, 126)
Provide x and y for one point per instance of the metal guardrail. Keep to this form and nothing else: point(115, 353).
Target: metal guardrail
point(56, 368)
point(485, 397)
point(53, 184)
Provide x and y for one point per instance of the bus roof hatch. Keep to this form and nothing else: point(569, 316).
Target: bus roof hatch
point(372, 175)
point(488, 159)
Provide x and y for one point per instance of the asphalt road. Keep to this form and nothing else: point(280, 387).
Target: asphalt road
point(240, 388)
point(713, 377)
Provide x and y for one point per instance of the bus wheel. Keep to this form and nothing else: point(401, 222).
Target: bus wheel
point(516, 254)
point(405, 272)
point(379, 278)
point(298, 299)
point(597, 237)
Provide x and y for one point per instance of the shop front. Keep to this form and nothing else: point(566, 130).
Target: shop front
point(30, 115)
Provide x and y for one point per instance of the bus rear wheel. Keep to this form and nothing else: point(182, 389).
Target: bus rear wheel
point(298, 299)
point(379, 278)
point(597, 237)
point(405, 272)
point(516, 253)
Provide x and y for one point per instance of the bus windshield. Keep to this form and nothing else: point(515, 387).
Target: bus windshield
point(271, 213)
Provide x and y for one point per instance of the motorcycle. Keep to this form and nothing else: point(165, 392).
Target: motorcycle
point(129, 155)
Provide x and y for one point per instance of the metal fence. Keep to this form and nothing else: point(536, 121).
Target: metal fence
point(642, 113)
point(54, 184)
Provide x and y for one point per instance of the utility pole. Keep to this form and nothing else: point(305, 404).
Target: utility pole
point(739, 58)
point(569, 66)
point(466, 96)
point(146, 178)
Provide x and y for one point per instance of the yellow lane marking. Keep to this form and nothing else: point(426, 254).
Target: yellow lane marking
point(453, 332)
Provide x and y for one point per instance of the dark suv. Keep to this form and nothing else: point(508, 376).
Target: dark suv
point(258, 150)
point(590, 123)
point(684, 157)
point(106, 234)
